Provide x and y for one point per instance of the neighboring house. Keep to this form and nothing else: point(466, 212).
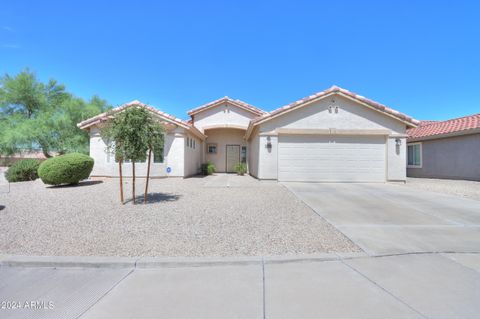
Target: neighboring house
point(334, 135)
point(445, 149)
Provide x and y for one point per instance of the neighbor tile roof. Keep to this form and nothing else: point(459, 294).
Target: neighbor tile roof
point(428, 129)
point(334, 89)
point(224, 99)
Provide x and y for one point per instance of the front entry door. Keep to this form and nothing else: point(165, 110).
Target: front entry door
point(233, 157)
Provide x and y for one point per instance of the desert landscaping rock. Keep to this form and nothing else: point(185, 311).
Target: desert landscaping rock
point(243, 217)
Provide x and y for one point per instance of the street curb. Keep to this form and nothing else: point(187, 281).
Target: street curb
point(179, 262)
point(160, 262)
point(67, 261)
point(173, 262)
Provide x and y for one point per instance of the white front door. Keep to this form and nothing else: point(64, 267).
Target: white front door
point(233, 157)
point(321, 158)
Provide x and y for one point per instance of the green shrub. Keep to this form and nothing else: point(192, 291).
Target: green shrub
point(66, 169)
point(241, 168)
point(208, 168)
point(23, 170)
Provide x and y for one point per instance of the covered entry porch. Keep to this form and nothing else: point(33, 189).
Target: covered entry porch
point(225, 147)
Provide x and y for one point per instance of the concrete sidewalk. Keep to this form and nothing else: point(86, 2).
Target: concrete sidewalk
point(401, 286)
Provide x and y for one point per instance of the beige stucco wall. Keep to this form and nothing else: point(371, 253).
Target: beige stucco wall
point(396, 159)
point(105, 164)
point(350, 115)
point(268, 163)
point(222, 137)
point(224, 114)
point(193, 156)
point(253, 155)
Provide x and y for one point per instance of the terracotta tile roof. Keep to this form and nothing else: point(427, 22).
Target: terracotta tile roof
point(423, 123)
point(106, 115)
point(332, 90)
point(224, 99)
point(438, 128)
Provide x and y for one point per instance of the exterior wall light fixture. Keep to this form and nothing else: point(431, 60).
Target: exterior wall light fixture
point(269, 144)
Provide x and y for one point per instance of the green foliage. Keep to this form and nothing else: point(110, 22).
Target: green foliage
point(241, 168)
point(66, 169)
point(131, 133)
point(22, 171)
point(208, 168)
point(37, 115)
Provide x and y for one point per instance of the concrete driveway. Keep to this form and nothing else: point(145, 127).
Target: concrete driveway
point(390, 219)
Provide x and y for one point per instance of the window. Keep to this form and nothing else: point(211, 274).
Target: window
point(414, 155)
point(158, 155)
point(194, 144)
point(212, 148)
point(190, 142)
point(243, 154)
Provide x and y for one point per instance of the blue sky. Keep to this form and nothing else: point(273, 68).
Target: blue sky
point(419, 57)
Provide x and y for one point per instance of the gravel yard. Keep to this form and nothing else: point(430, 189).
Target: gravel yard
point(224, 215)
point(460, 188)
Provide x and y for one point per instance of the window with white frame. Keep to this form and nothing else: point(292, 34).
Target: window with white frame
point(414, 155)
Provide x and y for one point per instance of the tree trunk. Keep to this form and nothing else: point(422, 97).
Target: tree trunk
point(121, 181)
point(45, 150)
point(133, 181)
point(148, 176)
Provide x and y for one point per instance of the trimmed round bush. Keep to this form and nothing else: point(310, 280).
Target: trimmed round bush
point(66, 169)
point(22, 171)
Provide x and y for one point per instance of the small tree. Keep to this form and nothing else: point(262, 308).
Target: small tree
point(131, 133)
point(154, 139)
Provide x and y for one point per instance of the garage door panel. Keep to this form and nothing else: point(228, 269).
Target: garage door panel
point(331, 158)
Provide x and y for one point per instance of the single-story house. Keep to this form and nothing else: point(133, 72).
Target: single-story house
point(332, 136)
point(445, 149)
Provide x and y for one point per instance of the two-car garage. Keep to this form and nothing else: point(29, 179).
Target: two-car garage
point(331, 158)
point(331, 136)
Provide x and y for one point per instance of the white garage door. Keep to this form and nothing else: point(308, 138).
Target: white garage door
point(320, 158)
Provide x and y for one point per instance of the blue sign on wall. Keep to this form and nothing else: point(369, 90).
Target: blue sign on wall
point(169, 170)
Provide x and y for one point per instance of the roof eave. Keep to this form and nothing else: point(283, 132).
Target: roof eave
point(409, 122)
point(252, 109)
point(85, 125)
